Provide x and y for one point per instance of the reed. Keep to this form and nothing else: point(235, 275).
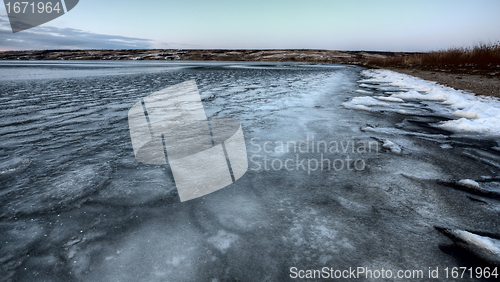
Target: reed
point(480, 56)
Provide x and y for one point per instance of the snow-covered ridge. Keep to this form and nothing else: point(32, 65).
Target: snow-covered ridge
point(471, 113)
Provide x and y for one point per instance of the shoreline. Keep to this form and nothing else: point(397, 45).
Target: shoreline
point(479, 82)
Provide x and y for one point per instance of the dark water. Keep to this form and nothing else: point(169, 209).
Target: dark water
point(77, 206)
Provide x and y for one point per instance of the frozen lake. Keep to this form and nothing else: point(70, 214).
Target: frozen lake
point(341, 174)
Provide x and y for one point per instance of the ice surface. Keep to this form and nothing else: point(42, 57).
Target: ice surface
point(137, 187)
point(14, 165)
point(77, 206)
point(157, 250)
point(62, 192)
point(223, 240)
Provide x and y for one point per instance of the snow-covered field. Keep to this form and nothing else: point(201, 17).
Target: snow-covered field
point(75, 205)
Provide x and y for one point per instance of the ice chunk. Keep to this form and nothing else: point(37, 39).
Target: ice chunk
point(357, 107)
point(482, 246)
point(367, 86)
point(446, 146)
point(390, 99)
point(434, 95)
point(465, 114)
point(472, 187)
point(363, 91)
point(362, 103)
point(469, 183)
point(478, 125)
point(392, 146)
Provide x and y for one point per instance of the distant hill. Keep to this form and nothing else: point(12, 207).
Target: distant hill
point(285, 55)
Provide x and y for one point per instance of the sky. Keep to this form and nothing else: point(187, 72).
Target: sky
point(391, 25)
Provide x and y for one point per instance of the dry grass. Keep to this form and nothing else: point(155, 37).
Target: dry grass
point(481, 56)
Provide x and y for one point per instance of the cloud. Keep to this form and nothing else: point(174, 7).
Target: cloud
point(48, 37)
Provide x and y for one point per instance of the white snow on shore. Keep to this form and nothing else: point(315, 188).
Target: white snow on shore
point(470, 113)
